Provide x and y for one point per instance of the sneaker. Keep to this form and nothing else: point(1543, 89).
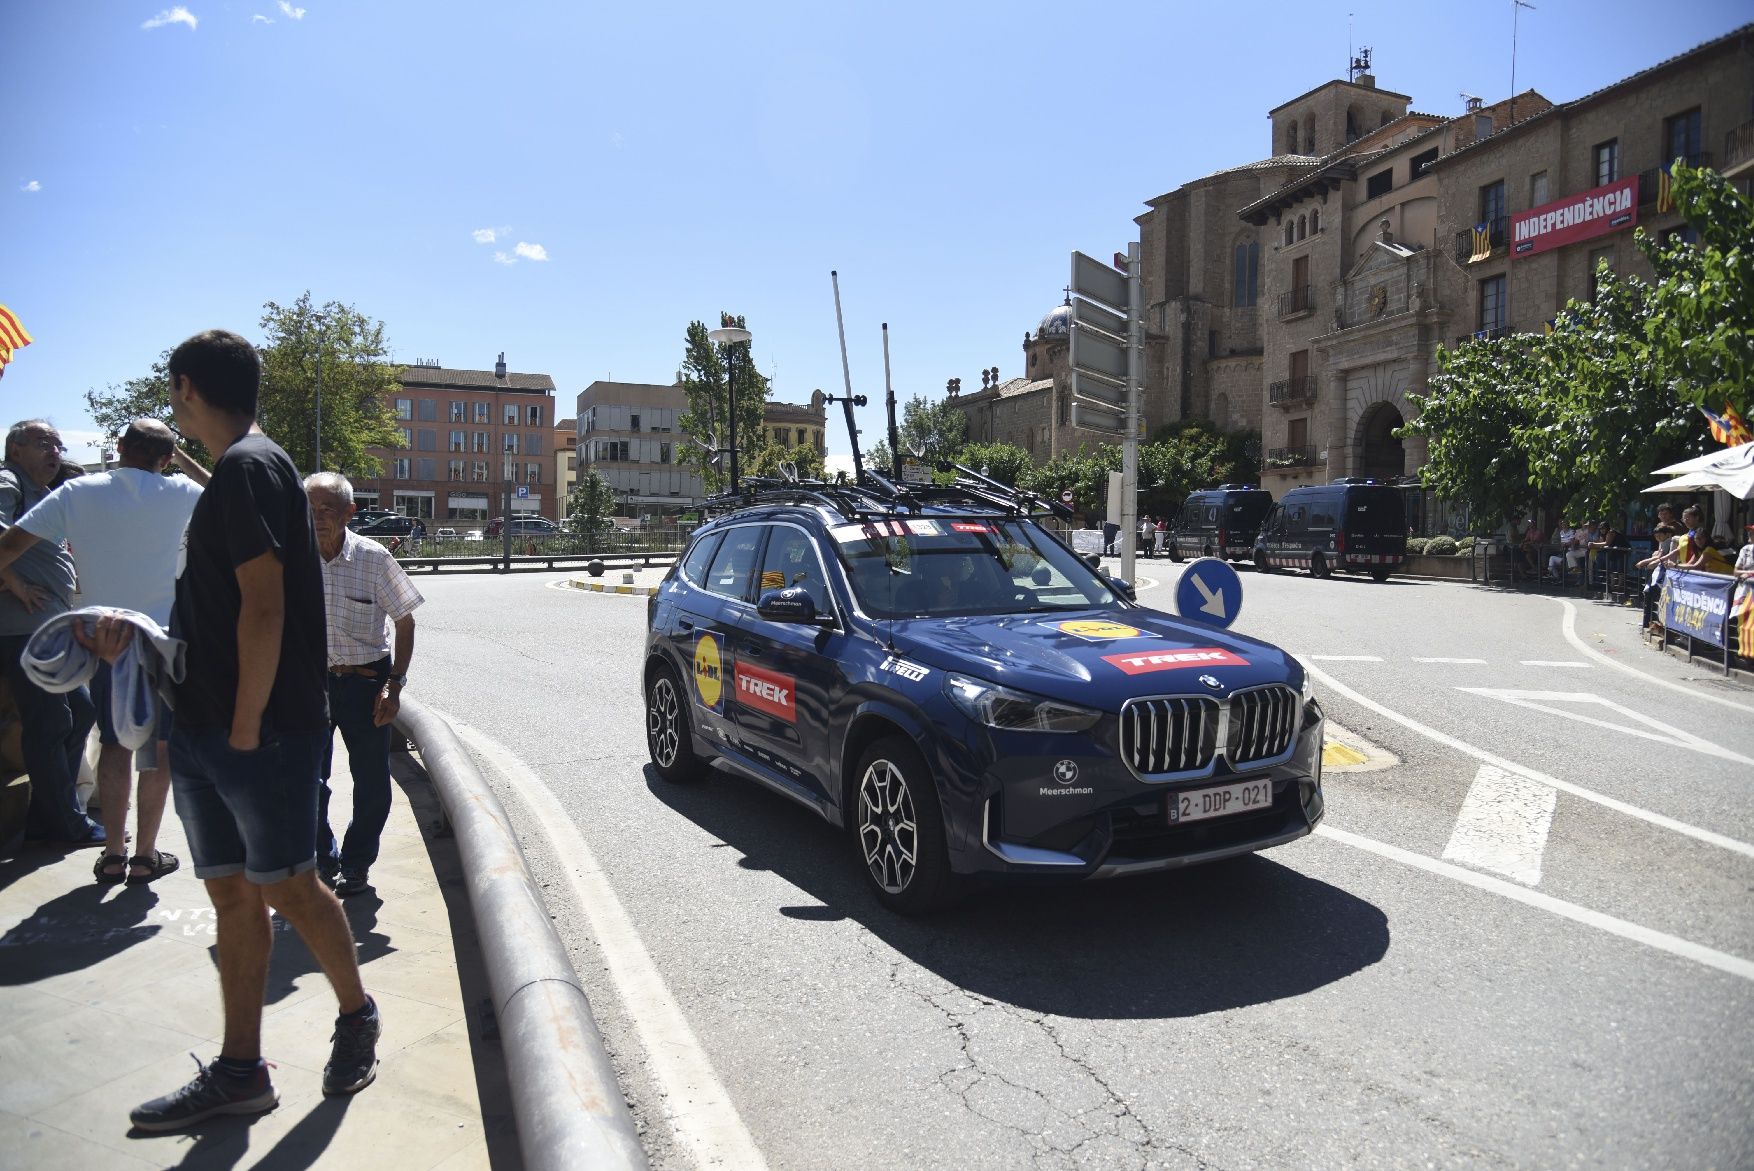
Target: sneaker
point(353, 1059)
point(211, 1093)
point(351, 882)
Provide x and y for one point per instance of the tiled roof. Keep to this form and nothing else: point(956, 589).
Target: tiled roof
point(440, 378)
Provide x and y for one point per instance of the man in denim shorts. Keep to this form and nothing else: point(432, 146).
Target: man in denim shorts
point(246, 742)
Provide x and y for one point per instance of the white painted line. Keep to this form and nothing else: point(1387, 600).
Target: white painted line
point(1657, 730)
point(1553, 663)
point(1569, 625)
point(1503, 825)
point(1480, 754)
point(1342, 658)
point(696, 1103)
point(1674, 945)
point(1417, 659)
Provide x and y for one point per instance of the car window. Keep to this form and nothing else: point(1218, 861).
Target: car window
point(733, 566)
point(954, 566)
point(699, 557)
point(1209, 516)
point(791, 560)
point(1321, 515)
point(1295, 516)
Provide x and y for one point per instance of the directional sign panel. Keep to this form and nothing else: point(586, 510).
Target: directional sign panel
point(1097, 353)
point(1094, 418)
point(1096, 280)
point(1085, 385)
point(1091, 314)
point(1209, 592)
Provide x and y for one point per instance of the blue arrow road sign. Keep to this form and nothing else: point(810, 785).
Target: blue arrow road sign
point(1209, 592)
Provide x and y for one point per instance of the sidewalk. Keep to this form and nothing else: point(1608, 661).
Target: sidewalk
point(104, 991)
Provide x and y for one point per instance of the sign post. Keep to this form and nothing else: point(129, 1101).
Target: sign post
point(1107, 358)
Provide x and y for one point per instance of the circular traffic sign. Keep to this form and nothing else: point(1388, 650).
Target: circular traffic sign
point(1209, 592)
point(1066, 496)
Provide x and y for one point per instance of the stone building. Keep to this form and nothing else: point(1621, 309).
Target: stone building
point(467, 437)
point(566, 460)
point(797, 425)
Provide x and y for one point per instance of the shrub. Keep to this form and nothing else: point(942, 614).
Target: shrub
point(1416, 546)
point(1465, 547)
point(1441, 547)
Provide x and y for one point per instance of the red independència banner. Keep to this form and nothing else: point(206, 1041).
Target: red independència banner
point(1576, 217)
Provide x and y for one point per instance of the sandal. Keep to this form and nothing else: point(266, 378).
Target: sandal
point(106, 863)
point(158, 864)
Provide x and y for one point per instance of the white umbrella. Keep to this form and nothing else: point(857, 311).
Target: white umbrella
point(1709, 461)
point(1733, 473)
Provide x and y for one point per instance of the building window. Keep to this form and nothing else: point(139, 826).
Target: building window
point(1211, 343)
point(1681, 139)
point(427, 469)
point(459, 411)
point(428, 410)
point(1291, 139)
point(511, 414)
point(1380, 183)
point(1537, 189)
point(1297, 433)
point(1683, 234)
point(459, 441)
point(1492, 211)
point(1607, 162)
point(1492, 307)
point(404, 437)
point(455, 469)
point(404, 408)
point(511, 442)
point(533, 443)
point(663, 453)
point(483, 413)
point(478, 471)
point(633, 421)
point(478, 442)
point(1302, 227)
point(532, 473)
point(1315, 220)
point(1421, 161)
point(399, 469)
point(1246, 274)
point(1351, 125)
point(533, 417)
point(572, 462)
point(1597, 258)
point(428, 439)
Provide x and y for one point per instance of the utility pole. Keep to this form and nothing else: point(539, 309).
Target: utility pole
point(1130, 445)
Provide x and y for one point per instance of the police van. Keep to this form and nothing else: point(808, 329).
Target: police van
point(1350, 524)
point(1219, 522)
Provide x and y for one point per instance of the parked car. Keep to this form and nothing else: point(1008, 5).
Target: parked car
point(524, 526)
point(445, 535)
point(390, 525)
point(1219, 522)
point(366, 516)
point(1350, 524)
point(962, 695)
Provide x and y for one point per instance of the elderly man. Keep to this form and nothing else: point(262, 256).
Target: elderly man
point(39, 585)
point(364, 591)
point(125, 528)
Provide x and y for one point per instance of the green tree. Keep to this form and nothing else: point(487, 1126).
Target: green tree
point(707, 420)
point(148, 396)
point(1004, 462)
point(804, 459)
point(1084, 472)
point(1479, 411)
point(588, 505)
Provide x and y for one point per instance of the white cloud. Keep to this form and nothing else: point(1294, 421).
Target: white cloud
point(291, 12)
point(502, 258)
point(531, 251)
point(32, 187)
point(617, 141)
point(485, 235)
point(260, 19)
point(177, 15)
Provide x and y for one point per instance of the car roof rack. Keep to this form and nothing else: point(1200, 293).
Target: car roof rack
point(876, 495)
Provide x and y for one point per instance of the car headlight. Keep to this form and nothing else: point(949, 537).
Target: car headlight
point(1001, 707)
point(1308, 683)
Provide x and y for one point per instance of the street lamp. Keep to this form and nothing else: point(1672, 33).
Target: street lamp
point(731, 336)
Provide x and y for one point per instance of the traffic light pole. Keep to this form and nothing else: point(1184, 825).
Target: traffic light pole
point(1130, 444)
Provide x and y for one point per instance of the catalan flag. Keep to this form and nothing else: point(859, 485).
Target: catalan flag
point(1665, 190)
point(1744, 611)
point(13, 336)
point(1482, 242)
point(1728, 428)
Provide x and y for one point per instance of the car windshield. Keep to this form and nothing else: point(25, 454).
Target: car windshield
point(942, 567)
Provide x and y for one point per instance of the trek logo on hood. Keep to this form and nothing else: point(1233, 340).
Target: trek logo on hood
point(1146, 662)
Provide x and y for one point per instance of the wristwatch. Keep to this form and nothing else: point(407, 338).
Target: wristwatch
point(398, 680)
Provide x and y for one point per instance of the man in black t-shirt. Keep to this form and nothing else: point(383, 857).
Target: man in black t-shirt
point(247, 733)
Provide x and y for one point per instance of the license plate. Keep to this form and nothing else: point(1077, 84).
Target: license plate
point(1200, 804)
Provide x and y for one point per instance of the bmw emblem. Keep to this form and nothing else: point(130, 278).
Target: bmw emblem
point(1066, 772)
point(1209, 681)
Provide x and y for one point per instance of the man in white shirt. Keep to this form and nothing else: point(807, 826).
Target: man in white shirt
point(125, 530)
point(364, 592)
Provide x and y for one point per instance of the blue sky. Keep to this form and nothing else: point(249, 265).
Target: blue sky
point(171, 168)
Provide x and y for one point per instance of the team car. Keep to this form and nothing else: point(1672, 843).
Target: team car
point(934, 671)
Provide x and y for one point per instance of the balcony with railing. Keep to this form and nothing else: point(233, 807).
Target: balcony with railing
point(1291, 457)
point(1296, 302)
point(1289, 391)
point(1497, 234)
point(1650, 182)
point(1738, 150)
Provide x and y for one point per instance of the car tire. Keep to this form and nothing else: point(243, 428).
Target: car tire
point(669, 735)
point(893, 789)
point(1174, 551)
point(1380, 572)
point(1262, 565)
point(1318, 566)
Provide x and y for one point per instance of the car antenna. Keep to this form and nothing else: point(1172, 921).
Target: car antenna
point(849, 400)
point(889, 408)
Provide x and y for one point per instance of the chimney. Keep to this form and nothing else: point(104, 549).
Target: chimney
point(1367, 80)
point(499, 366)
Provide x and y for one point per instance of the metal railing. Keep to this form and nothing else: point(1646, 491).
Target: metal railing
point(1300, 299)
point(1291, 457)
point(1650, 181)
point(1286, 391)
point(1738, 146)
point(1497, 233)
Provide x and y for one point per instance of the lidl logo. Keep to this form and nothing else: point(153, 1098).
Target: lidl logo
point(709, 671)
point(1096, 630)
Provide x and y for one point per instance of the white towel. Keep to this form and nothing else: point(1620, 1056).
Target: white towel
point(54, 661)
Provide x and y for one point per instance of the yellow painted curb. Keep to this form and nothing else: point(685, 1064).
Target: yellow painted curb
point(1335, 753)
point(599, 587)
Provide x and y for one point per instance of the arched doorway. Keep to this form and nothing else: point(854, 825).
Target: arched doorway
point(1381, 456)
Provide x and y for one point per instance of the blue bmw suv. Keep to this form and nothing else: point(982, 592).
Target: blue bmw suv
point(935, 672)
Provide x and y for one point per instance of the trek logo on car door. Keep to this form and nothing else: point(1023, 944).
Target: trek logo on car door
point(767, 691)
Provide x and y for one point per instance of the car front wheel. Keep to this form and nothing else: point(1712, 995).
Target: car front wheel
point(899, 828)
point(668, 737)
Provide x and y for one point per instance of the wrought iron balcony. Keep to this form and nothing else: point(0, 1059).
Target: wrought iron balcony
point(1292, 390)
point(1296, 301)
point(1291, 457)
point(1738, 150)
point(1497, 232)
point(1650, 182)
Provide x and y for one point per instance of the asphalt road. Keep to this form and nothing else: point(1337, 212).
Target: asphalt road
point(1528, 941)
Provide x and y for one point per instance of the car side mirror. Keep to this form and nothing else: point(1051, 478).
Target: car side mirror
point(792, 604)
point(1094, 560)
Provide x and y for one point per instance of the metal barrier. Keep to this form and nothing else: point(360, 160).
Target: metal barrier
point(534, 561)
point(565, 1095)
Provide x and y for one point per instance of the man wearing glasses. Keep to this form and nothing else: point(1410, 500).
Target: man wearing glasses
point(36, 587)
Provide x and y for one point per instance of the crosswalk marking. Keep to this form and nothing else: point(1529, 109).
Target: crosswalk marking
point(1503, 825)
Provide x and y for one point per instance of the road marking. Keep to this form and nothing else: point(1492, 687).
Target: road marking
point(1341, 658)
point(1569, 626)
point(1480, 754)
point(696, 1103)
point(1542, 701)
point(1553, 663)
point(1661, 941)
point(1503, 825)
point(1417, 659)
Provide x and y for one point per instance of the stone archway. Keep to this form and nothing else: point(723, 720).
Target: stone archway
point(1381, 456)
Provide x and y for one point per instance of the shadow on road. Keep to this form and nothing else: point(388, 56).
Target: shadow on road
point(1179, 944)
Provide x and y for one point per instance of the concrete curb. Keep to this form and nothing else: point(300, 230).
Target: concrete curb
point(598, 587)
point(565, 1094)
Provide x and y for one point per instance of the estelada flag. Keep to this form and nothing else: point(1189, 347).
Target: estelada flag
point(13, 336)
point(1665, 190)
point(1728, 428)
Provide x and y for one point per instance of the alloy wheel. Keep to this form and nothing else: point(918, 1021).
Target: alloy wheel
point(888, 833)
point(663, 728)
